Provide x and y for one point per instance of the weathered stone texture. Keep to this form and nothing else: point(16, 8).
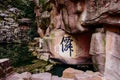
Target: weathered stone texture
point(98, 39)
point(67, 15)
point(112, 56)
point(102, 11)
point(97, 50)
point(56, 78)
point(70, 73)
point(41, 76)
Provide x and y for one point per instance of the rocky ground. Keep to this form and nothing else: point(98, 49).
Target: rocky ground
point(68, 74)
point(7, 73)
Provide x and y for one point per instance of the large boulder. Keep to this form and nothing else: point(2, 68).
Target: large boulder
point(56, 78)
point(70, 49)
point(70, 73)
point(41, 76)
point(14, 76)
point(89, 75)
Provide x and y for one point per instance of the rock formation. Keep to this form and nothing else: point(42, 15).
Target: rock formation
point(71, 37)
point(64, 22)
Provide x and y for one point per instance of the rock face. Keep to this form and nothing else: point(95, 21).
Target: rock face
point(97, 50)
point(70, 15)
point(65, 20)
point(71, 35)
point(102, 11)
point(112, 56)
point(67, 15)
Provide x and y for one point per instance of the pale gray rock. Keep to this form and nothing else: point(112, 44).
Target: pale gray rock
point(45, 14)
point(41, 76)
point(97, 50)
point(112, 56)
point(26, 75)
point(56, 78)
point(9, 19)
point(14, 76)
point(97, 43)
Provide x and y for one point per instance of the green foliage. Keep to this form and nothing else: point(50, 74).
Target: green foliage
point(42, 1)
point(17, 53)
point(33, 31)
point(4, 4)
point(26, 6)
point(37, 66)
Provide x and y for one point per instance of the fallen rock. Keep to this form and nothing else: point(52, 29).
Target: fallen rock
point(67, 79)
point(26, 75)
point(81, 77)
point(44, 56)
point(88, 76)
point(14, 76)
point(56, 78)
point(70, 73)
point(41, 76)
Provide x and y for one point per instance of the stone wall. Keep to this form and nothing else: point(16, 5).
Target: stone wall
point(10, 29)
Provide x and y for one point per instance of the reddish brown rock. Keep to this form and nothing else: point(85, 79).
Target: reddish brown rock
point(9, 71)
point(88, 75)
point(4, 63)
point(104, 12)
point(112, 28)
point(70, 73)
point(67, 15)
point(5, 68)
